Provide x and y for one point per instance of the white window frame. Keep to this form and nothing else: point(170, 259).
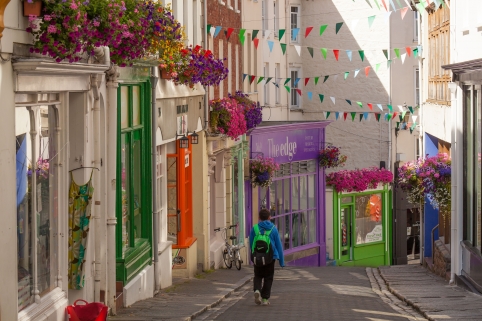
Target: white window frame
point(266, 87)
point(298, 23)
point(276, 18)
point(416, 79)
point(264, 16)
point(294, 97)
point(277, 89)
point(415, 26)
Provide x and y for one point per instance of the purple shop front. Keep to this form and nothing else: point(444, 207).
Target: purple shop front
point(296, 198)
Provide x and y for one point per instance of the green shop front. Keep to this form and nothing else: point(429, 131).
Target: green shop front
point(134, 179)
point(362, 228)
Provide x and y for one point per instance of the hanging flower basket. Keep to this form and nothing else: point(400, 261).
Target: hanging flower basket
point(165, 74)
point(262, 171)
point(32, 8)
point(253, 112)
point(330, 157)
point(227, 117)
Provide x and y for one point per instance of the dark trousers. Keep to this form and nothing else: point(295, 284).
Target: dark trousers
point(267, 273)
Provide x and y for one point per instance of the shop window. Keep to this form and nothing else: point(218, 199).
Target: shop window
point(368, 219)
point(37, 202)
point(291, 198)
point(134, 199)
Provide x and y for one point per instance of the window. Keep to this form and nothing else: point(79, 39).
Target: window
point(277, 90)
point(266, 87)
point(439, 39)
point(134, 198)
point(415, 26)
point(295, 23)
point(264, 15)
point(295, 99)
point(417, 87)
point(368, 219)
point(37, 202)
point(472, 169)
point(291, 199)
point(275, 19)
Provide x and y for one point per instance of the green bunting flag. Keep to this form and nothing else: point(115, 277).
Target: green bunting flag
point(403, 114)
point(260, 79)
point(397, 52)
point(268, 80)
point(411, 109)
point(360, 104)
point(242, 39)
point(389, 116)
point(328, 114)
point(241, 32)
point(415, 52)
point(377, 116)
point(322, 29)
point(362, 54)
point(326, 78)
point(390, 108)
point(353, 115)
point(281, 33)
point(323, 52)
point(310, 50)
point(255, 33)
point(376, 2)
point(286, 81)
point(283, 48)
point(370, 21)
point(209, 28)
point(385, 52)
point(398, 125)
point(348, 101)
point(377, 66)
point(347, 73)
point(338, 26)
point(389, 62)
point(288, 89)
point(361, 117)
point(321, 97)
point(316, 80)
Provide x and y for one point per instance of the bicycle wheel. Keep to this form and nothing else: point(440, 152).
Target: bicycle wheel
point(237, 260)
point(227, 259)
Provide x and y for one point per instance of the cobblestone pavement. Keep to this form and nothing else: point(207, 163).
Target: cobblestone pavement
point(430, 294)
point(327, 293)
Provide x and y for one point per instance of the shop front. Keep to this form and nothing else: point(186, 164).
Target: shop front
point(296, 197)
point(362, 228)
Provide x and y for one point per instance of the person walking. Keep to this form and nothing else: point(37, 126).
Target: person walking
point(266, 248)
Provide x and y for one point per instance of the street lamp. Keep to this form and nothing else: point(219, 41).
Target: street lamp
point(184, 141)
point(194, 138)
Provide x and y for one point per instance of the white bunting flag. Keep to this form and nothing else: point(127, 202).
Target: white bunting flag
point(298, 50)
point(403, 57)
point(335, 77)
point(387, 16)
point(349, 54)
point(414, 118)
point(266, 34)
point(356, 72)
point(333, 100)
point(380, 106)
point(400, 107)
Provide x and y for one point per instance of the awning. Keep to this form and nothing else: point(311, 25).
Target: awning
point(465, 67)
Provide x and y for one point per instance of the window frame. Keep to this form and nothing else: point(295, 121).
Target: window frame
point(416, 86)
point(264, 16)
point(293, 94)
point(298, 23)
point(276, 18)
point(277, 89)
point(266, 87)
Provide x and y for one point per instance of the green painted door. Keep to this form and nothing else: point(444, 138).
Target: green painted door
point(345, 233)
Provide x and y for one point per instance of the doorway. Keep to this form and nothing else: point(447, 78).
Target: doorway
point(413, 234)
point(345, 233)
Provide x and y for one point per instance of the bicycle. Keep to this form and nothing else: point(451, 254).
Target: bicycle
point(231, 253)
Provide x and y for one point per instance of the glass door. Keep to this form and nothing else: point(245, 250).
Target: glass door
point(345, 233)
point(173, 226)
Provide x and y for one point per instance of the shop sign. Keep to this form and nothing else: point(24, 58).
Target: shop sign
point(182, 125)
point(186, 161)
point(288, 146)
point(376, 235)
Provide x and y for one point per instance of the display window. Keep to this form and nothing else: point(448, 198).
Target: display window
point(134, 180)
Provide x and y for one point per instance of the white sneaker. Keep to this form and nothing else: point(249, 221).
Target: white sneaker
point(265, 302)
point(257, 297)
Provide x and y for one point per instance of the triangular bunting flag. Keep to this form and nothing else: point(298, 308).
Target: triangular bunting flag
point(336, 52)
point(310, 95)
point(322, 29)
point(209, 28)
point(397, 52)
point(376, 2)
point(310, 50)
point(353, 115)
point(390, 108)
point(241, 33)
point(270, 45)
point(242, 39)
point(400, 108)
point(323, 52)
point(356, 72)
point(244, 76)
point(403, 114)
point(295, 33)
point(338, 26)
point(337, 114)
point(360, 104)
point(387, 17)
point(377, 116)
point(414, 118)
point(288, 89)
point(217, 30)
point(321, 97)
point(316, 80)
point(328, 114)
point(385, 52)
point(411, 109)
point(307, 31)
point(335, 77)
point(367, 70)
point(388, 117)
point(344, 115)
point(255, 34)
point(298, 50)
point(389, 62)
point(268, 80)
point(377, 66)
point(283, 48)
point(348, 101)
point(369, 3)
point(370, 21)
point(286, 81)
point(415, 52)
point(324, 114)
point(230, 31)
point(380, 106)
point(297, 80)
point(349, 54)
point(281, 33)
point(267, 33)
point(409, 51)
point(403, 12)
point(260, 79)
point(326, 78)
point(361, 116)
point(256, 42)
point(403, 58)
point(298, 91)
point(306, 81)
point(346, 74)
point(333, 100)
point(399, 4)
point(385, 5)
point(362, 54)
point(370, 106)
point(394, 115)
point(251, 79)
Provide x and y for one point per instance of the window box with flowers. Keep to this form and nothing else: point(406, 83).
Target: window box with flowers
point(32, 8)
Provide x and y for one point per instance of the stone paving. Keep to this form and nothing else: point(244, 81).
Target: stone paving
point(430, 294)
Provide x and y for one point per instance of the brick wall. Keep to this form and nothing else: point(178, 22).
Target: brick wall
point(441, 264)
point(221, 15)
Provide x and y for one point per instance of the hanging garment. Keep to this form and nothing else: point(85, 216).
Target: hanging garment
point(80, 199)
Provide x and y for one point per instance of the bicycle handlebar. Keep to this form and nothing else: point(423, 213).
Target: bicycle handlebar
point(233, 226)
point(217, 229)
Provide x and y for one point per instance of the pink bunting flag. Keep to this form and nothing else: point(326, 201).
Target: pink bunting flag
point(367, 70)
point(298, 91)
point(336, 52)
point(308, 30)
point(256, 43)
point(306, 81)
point(370, 106)
point(403, 12)
point(409, 51)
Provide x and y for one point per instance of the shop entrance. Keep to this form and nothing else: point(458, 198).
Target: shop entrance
point(413, 234)
point(345, 233)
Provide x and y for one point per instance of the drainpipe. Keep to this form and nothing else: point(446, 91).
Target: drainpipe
point(453, 219)
point(111, 138)
point(205, 40)
point(389, 165)
point(155, 206)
